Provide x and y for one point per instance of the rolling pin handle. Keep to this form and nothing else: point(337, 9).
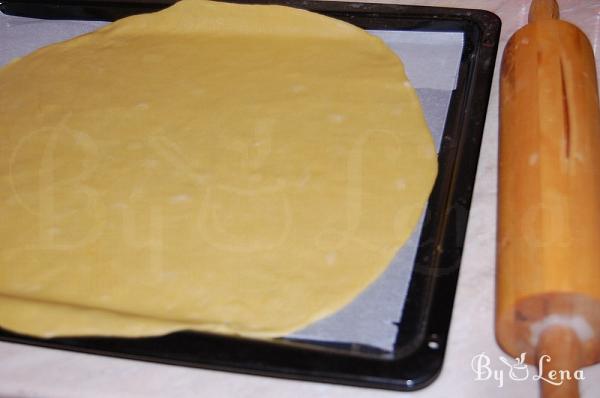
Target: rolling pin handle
point(543, 9)
point(559, 356)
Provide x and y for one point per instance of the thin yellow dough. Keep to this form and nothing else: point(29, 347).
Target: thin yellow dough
point(238, 169)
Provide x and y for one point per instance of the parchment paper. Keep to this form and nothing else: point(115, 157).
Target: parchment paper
point(431, 60)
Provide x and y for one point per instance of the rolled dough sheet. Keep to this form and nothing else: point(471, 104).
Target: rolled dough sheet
point(229, 168)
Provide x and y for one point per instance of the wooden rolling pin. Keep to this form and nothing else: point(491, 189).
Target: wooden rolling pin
point(548, 256)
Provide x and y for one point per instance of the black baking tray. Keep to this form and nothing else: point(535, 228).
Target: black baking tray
point(423, 329)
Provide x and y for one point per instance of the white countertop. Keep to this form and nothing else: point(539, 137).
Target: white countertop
point(37, 372)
